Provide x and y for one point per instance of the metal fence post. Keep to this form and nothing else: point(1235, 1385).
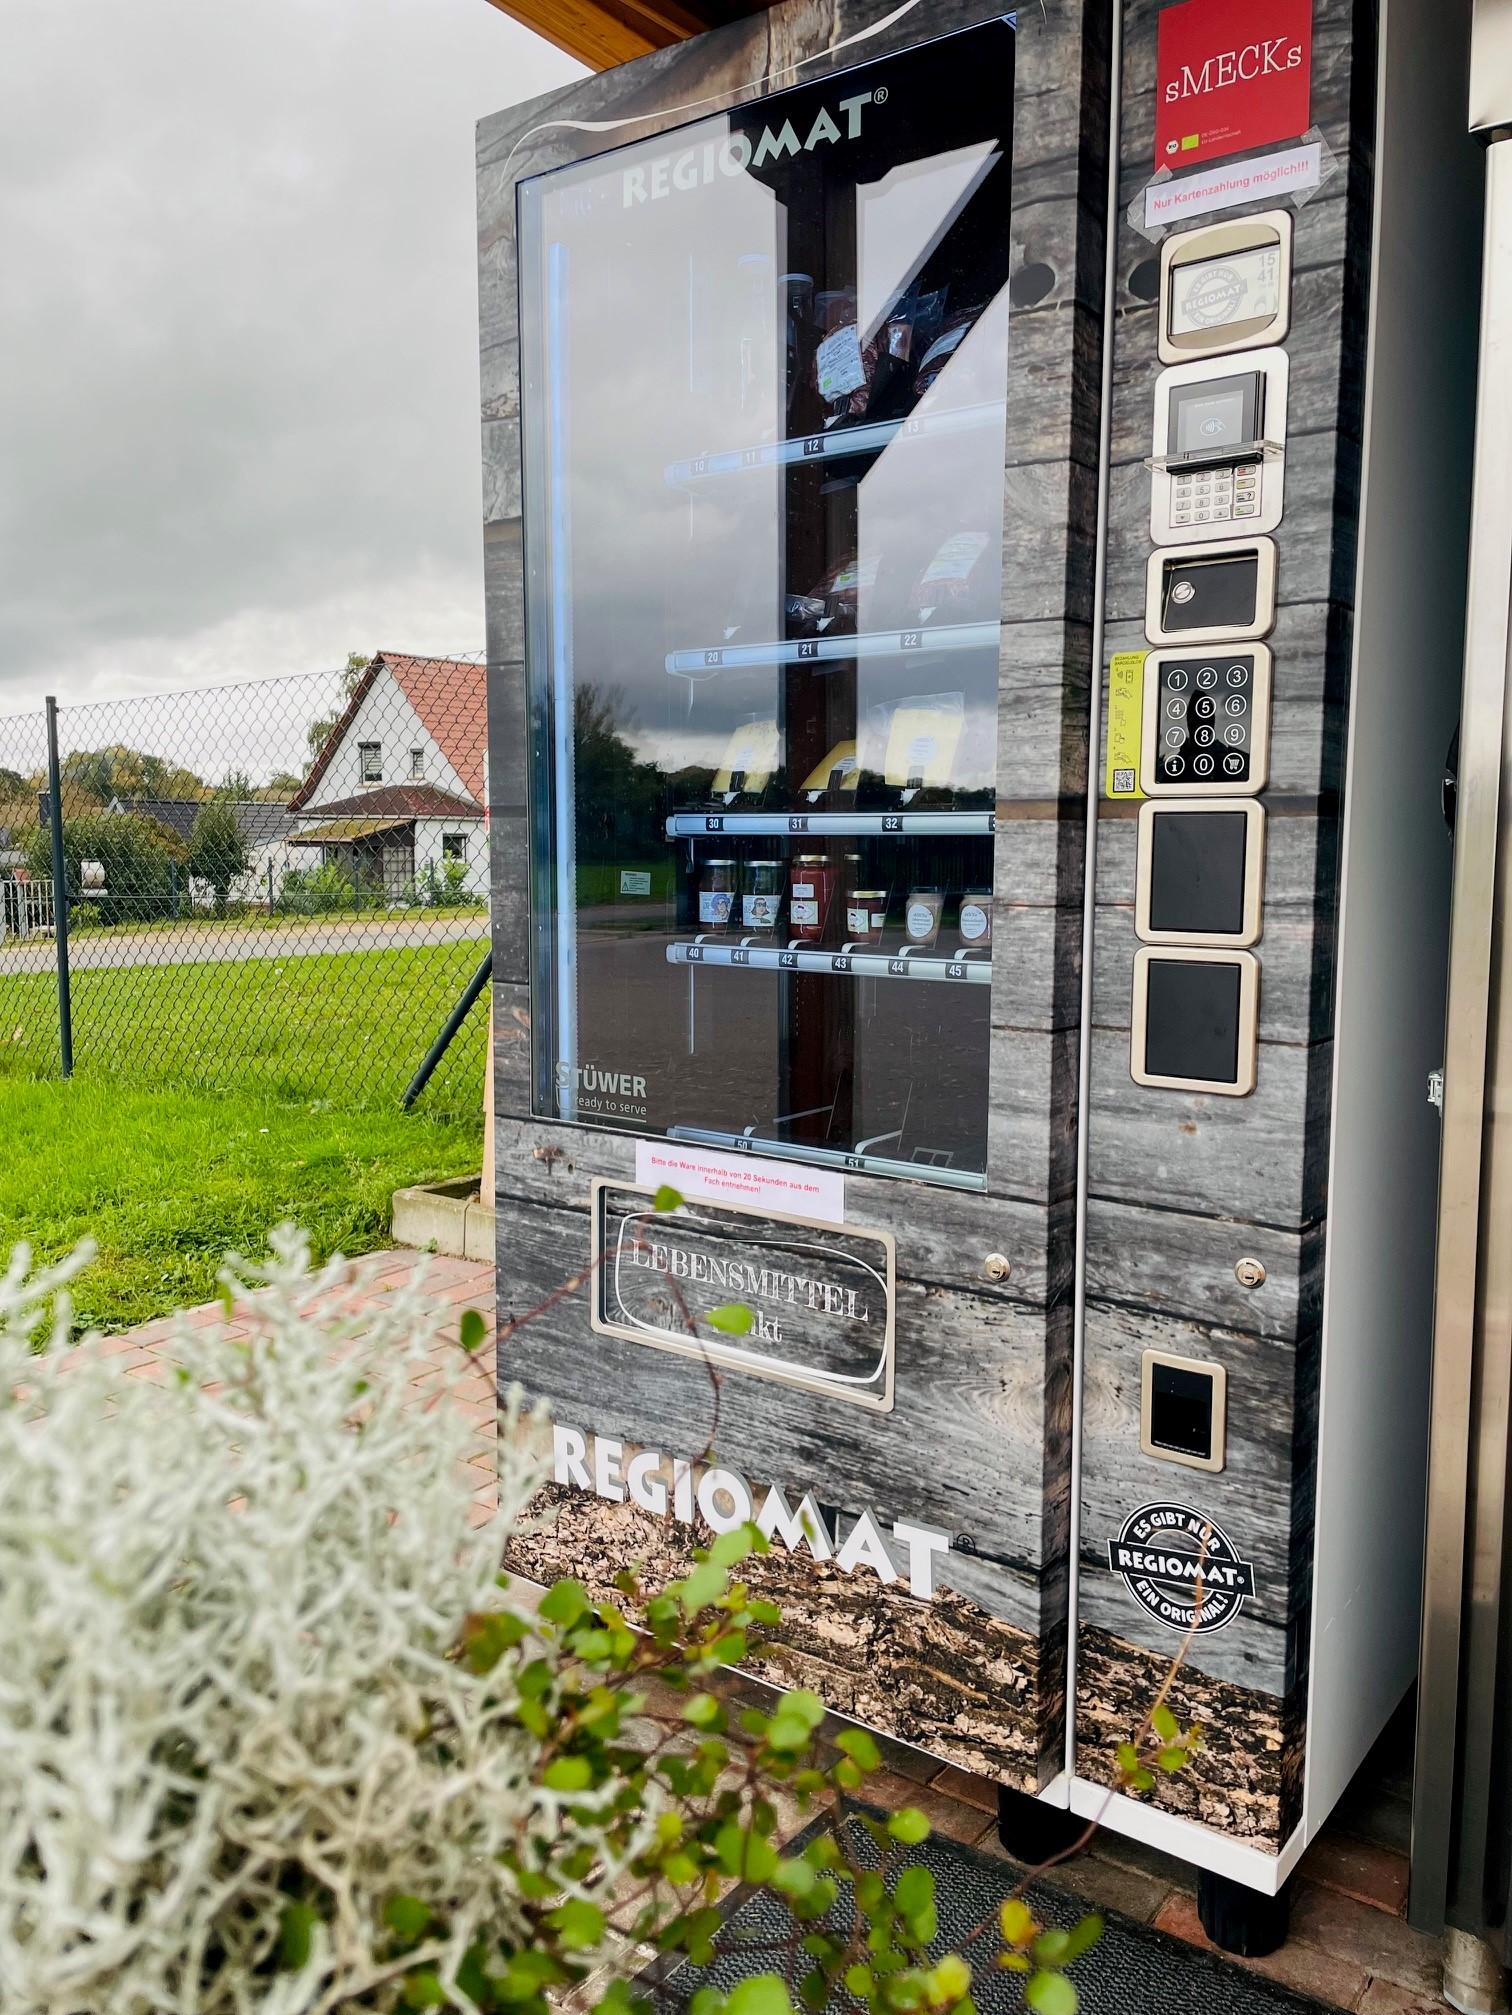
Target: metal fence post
point(60, 888)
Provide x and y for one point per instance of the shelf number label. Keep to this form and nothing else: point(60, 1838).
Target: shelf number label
point(714, 824)
point(701, 465)
point(911, 640)
point(695, 955)
point(808, 647)
point(892, 822)
point(739, 957)
point(840, 963)
point(813, 444)
point(898, 968)
point(788, 961)
point(855, 1161)
point(955, 970)
point(749, 457)
point(713, 657)
point(741, 1144)
point(913, 427)
point(797, 822)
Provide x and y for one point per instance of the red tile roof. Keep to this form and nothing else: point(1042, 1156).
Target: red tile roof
point(450, 695)
point(400, 801)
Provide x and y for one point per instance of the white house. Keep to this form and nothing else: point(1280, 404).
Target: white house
point(399, 788)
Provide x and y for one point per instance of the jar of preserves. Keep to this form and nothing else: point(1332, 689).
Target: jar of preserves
point(921, 917)
point(811, 885)
point(976, 920)
point(866, 916)
point(761, 900)
point(716, 895)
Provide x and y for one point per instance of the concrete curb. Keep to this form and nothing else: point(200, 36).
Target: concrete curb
point(449, 1217)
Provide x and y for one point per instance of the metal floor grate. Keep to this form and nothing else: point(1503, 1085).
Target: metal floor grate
point(1132, 1970)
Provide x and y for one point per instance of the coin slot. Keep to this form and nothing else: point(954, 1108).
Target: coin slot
point(1199, 595)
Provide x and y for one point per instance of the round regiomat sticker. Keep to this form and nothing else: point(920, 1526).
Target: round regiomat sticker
point(1181, 1567)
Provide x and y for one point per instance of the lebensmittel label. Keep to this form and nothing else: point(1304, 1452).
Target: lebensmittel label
point(1125, 719)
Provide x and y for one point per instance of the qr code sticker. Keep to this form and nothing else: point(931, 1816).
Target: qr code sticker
point(1123, 780)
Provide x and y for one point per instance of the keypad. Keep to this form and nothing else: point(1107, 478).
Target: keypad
point(1206, 718)
point(1216, 496)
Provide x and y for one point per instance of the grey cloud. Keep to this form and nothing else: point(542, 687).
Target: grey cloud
point(238, 405)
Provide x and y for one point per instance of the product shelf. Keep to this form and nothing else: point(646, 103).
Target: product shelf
point(830, 1157)
point(837, 443)
point(969, 970)
point(708, 662)
point(836, 825)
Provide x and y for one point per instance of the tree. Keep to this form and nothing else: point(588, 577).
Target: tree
point(98, 775)
point(318, 733)
point(217, 852)
point(235, 786)
point(142, 863)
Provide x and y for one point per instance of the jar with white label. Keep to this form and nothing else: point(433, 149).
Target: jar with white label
point(811, 885)
point(976, 920)
point(716, 895)
point(865, 916)
point(921, 917)
point(761, 898)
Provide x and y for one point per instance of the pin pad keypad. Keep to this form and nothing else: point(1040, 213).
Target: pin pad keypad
point(1216, 496)
point(1206, 704)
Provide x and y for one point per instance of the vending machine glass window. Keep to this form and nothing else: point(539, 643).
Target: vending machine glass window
point(765, 361)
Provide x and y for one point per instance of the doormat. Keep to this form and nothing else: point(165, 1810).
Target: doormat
point(1131, 1970)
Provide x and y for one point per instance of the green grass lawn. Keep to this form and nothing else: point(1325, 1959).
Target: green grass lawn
point(211, 1103)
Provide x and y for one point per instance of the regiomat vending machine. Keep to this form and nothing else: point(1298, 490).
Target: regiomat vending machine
point(974, 537)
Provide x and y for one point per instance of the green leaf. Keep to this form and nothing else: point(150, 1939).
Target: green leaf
point(564, 1602)
point(732, 1318)
point(707, 2001)
point(1051, 1947)
point(1127, 1758)
point(1083, 1936)
point(859, 1981)
point(764, 1994)
point(795, 1878)
point(474, 1331)
point(1163, 1721)
point(731, 1547)
point(803, 1706)
point(860, 1748)
point(1142, 1780)
point(950, 1980)
point(703, 1585)
point(704, 1711)
point(1051, 1994)
point(424, 1990)
point(915, 1891)
point(568, 1773)
point(579, 1925)
point(909, 1825)
point(407, 1917)
point(296, 1935)
point(668, 1198)
point(1172, 1760)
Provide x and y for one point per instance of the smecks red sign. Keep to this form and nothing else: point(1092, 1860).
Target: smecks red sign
point(1230, 75)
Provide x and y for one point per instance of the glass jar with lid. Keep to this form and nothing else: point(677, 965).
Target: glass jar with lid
point(716, 895)
point(811, 888)
point(761, 896)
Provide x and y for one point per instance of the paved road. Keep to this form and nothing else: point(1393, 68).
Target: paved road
point(230, 943)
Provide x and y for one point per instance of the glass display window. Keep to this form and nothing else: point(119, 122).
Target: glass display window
point(764, 360)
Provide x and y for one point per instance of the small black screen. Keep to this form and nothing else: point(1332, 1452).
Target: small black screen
point(1192, 1020)
point(1210, 594)
point(1197, 864)
point(1181, 1410)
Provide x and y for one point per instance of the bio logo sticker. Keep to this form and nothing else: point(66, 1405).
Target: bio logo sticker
point(1181, 1567)
point(1125, 723)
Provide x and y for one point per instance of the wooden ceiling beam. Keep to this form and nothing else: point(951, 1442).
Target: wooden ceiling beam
point(602, 33)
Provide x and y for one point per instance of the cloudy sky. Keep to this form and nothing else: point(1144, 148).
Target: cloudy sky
point(238, 408)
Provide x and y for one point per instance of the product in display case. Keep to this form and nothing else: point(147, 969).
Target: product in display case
point(772, 662)
point(976, 920)
point(921, 918)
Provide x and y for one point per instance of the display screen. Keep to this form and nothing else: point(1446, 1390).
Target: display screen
point(1214, 294)
point(764, 361)
point(1215, 415)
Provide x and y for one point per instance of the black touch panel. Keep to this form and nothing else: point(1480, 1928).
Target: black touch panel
point(1217, 593)
point(1181, 1410)
point(1206, 717)
point(1215, 416)
point(1192, 1020)
point(1197, 862)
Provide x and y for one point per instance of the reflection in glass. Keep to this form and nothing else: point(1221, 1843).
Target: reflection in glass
point(764, 361)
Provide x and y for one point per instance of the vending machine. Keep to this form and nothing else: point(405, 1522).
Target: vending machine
point(941, 820)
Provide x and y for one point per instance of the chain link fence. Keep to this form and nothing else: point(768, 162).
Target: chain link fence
point(281, 884)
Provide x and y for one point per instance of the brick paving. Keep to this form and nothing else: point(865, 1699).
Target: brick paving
point(1350, 1944)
